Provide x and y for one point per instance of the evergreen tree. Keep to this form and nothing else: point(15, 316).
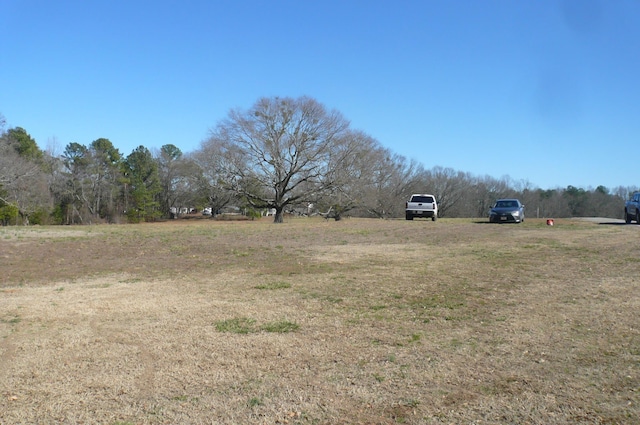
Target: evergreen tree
point(143, 186)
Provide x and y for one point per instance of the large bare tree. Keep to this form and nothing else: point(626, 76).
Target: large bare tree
point(280, 152)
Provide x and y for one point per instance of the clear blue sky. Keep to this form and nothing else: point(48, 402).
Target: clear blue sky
point(545, 91)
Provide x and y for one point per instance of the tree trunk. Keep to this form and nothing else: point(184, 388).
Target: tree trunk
point(278, 217)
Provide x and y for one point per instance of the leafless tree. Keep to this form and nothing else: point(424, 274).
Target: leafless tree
point(211, 177)
point(352, 174)
point(277, 148)
point(448, 186)
point(179, 176)
point(394, 180)
point(23, 182)
point(625, 192)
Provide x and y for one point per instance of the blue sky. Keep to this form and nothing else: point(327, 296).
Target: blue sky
point(546, 92)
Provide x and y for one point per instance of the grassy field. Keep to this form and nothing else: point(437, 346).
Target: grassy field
point(320, 322)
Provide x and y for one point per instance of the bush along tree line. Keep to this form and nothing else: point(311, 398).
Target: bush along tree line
point(282, 155)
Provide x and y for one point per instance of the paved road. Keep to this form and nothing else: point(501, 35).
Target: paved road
point(601, 220)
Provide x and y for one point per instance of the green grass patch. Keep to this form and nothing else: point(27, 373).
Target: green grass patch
point(283, 326)
point(274, 285)
point(254, 402)
point(12, 320)
point(245, 325)
point(241, 325)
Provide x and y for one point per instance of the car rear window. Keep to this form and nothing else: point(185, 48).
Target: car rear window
point(422, 199)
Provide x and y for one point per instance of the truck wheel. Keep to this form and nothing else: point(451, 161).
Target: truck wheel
point(627, 219)
point(637, 217)
point(434, 218)
point(409, 217)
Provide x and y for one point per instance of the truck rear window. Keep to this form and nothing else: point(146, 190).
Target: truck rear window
point(424, 199)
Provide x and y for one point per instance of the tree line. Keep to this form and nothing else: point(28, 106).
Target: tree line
point(287, 155)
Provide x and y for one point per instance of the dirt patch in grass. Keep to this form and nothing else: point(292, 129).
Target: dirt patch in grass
point(320, 322)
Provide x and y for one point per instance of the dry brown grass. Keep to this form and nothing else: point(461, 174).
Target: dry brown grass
point(416, 322)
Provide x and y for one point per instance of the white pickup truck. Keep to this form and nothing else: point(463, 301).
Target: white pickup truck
point(421, 205)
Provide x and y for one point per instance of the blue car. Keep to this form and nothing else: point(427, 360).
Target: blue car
point(507, 211)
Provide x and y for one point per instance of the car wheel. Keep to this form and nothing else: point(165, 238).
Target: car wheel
point(637, 217)
point(627, 219)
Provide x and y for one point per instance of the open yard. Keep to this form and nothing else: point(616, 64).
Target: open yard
point(360, 321)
